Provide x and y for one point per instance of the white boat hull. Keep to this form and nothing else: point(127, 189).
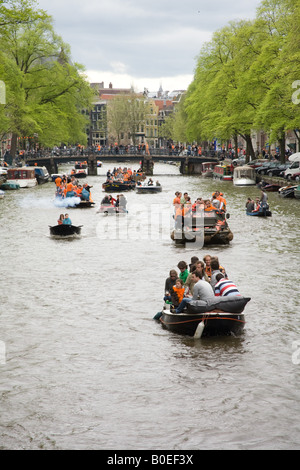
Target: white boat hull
point(244, 182)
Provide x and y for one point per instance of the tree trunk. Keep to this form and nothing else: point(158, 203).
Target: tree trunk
point(236, 146)
point(13, 148)
point(249, 148)
point(282, 146)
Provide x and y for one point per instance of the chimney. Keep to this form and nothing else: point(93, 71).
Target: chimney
point(110, 85)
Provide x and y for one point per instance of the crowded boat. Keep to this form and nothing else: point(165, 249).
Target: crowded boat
point(201, 300)
point(69, 192)
point(202, 219)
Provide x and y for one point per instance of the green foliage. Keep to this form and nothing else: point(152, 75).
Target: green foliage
point(244, 76)
point(45, 92)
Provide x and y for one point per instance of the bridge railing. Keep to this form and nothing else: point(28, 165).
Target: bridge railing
point(107, 151)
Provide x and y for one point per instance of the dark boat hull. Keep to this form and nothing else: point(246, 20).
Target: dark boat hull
point(210, 237)
point(287, 192)
point(215, 323)
point(148, 189)
point(83, 204)
point(118, 187)
point(260, 214)
point(65, 230)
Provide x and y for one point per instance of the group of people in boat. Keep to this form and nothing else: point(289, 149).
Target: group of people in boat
point(64, 220)
point(201, 280)
point(119, 204)
point(70, 187)
point(259, 205)
point(150, 182)
point(124, 175)
point(185, 209)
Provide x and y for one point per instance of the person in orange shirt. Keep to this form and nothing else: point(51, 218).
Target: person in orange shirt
point(208, 207)
point(178, 292)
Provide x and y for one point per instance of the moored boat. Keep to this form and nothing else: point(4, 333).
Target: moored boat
point(244, 176)
point(297, 192)
point(207, 169)
point(9, 186)
point(65, 230)
point(287, 191)
point(223, 172)
point(23, 176)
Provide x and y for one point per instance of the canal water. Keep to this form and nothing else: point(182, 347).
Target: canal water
point(83, 365)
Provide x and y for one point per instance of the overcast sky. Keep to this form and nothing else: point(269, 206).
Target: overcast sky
point(143, 43)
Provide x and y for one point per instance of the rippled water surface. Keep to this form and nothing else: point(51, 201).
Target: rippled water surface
point(84, 364)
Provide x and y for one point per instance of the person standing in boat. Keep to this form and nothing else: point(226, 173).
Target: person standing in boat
point(264, 202)
point(122, 203)
point(67, 220)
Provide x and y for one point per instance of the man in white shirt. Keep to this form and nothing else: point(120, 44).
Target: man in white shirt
point(202, 291)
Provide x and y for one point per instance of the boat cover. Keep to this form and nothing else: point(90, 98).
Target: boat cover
point(230, 304)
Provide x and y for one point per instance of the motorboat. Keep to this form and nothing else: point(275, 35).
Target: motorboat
point(219, 316)
point(110, 209)
point(244, 176)
point(260, 213)
point(287, 191)
point(208, 228)
point(118, 186)
point(41, 174)
point(23, 176)
point(65, 230)
point(148, 188)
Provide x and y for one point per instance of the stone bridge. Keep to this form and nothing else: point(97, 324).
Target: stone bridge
point(189, 165)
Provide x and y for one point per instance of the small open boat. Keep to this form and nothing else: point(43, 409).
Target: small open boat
point(216, 323)
point(287, 191)
point(220, 316)
point(208, 228)
point(65, 230)
point(145, 188)
point(110, 209)
point(260, 213)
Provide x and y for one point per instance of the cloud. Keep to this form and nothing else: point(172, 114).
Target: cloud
point(138, 38)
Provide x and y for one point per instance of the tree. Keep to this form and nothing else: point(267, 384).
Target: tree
point(45, 91)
